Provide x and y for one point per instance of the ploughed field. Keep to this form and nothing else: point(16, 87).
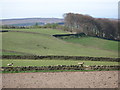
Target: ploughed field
point(42, 42)
point(24, 62)
point(101, 79)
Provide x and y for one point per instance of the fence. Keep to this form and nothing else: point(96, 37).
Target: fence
point(60, 58)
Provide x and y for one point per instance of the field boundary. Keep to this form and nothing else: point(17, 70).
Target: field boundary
point(61, 67)
point(35, 57)
point(82, 35)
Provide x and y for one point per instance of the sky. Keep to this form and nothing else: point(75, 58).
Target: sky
point(57, 8)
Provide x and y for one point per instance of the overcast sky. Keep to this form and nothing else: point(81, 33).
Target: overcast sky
point(56, 8)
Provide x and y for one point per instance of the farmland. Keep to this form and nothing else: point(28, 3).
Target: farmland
point(66, 44)
point(95, 43)
point(41, 31)
point(25, 62)
point(43, 43)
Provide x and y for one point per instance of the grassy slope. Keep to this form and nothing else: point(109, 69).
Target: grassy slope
point(10, 53)
point(48, 45)
point(53, 62)
point(95, 42)
point(41, 31)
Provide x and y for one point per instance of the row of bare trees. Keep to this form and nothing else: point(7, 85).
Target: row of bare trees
point(100, 27)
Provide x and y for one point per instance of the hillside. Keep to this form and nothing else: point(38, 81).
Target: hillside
point(41, 42)
point(93, 42)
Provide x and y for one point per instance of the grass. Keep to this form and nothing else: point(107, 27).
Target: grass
point(24, 62)
point(10, 53)
point(42, 31)
point(48, 45)
point(95, 42)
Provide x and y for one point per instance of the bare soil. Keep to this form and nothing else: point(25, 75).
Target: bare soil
point(96, 79)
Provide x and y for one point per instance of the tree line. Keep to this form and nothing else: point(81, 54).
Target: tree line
point(13, 27)
point(99, 27)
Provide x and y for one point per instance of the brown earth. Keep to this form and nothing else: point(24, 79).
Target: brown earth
point(96, 79)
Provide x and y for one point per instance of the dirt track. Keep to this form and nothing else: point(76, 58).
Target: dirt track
point(97, 79)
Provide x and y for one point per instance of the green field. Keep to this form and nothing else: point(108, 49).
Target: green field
point(11, 53)
point(95, 43)
point(42, 31)
point(25, 62)
point(44, 43)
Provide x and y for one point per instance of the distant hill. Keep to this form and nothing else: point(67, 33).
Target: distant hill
point(113, 19)
point(30, 21)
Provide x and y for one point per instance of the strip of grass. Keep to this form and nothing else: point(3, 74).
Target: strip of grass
point(24, 62)
point(41, 30)
point(10, 53)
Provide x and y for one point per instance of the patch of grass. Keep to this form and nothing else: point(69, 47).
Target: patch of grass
point(24, 62)
point(42, 31)
point(10, 53)
point(95, 42)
